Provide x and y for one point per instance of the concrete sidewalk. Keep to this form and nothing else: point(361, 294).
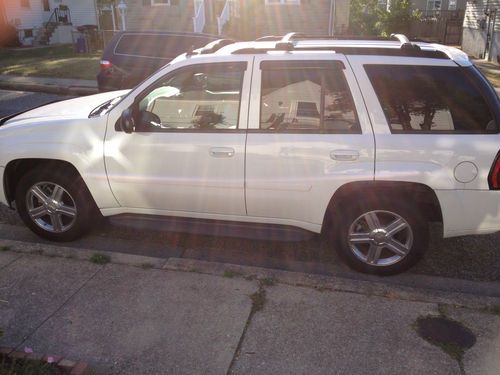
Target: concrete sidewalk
point(140, 315)
point(51, 85)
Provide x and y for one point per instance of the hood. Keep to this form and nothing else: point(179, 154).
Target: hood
point(77, 108)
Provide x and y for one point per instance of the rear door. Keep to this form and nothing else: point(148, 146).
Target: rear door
point(308, 134)
point(436, 124)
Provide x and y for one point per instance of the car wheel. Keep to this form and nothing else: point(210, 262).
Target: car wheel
point(54, 205)
point(382, 238)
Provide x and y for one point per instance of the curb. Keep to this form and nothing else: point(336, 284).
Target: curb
point(64, 365)
point(460, 294)
point(48, 89)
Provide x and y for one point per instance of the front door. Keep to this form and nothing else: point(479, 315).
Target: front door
point(189, 156)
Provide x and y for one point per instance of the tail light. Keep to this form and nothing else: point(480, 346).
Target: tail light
point(494, 176)
point(105, 64)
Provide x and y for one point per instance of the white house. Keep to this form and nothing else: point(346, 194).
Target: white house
point(481, 31)
point(48, 21)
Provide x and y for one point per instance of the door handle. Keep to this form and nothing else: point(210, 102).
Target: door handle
point(222, 152)
point(344, 155)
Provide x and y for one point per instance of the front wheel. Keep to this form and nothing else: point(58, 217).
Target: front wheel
point(382, 237)
point(54, 205)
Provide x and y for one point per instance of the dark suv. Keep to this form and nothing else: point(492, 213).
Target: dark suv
point(131, 56)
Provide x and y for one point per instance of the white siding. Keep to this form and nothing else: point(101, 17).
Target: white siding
point(475, 29)
point(30, 17)
point(82, 12)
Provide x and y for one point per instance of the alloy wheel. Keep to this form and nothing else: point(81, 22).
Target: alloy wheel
point(380, 238)
point(51, 207)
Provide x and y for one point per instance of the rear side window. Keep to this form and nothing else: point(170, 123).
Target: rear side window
point(430, 99)
point(306, 97)
point(157, 45)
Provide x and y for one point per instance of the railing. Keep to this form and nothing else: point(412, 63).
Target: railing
point(199, 17)
point(224, 16)
point(62, 15)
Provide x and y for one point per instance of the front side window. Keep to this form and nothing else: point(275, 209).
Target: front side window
point(430, 99)
point(196, 98)
point(301, 98)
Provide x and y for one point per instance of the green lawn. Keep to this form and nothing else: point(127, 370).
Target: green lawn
point(54, 61)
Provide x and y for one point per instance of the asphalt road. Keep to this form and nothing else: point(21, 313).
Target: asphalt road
point(16, 101)
point(471, 258)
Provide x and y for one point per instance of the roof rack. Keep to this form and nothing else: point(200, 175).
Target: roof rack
point(405, 42)
point(286, 44)
point(293, 41)
point(215, 46)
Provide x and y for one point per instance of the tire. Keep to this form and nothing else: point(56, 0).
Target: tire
point(382, 237)
point(54, 204)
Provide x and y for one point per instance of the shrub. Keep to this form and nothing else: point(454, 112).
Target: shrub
point(9, 36)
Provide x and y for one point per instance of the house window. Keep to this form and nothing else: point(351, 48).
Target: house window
point(282, 2)
point(160, 2)
point(25, 3)
point(28, 33)
point(382, 4)
point(452, 5)
point(45, 5)
point(433, 5)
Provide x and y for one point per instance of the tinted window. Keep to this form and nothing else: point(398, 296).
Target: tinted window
point(306, 99)
point(430, 98)
point(157, 45)
point(197, 98)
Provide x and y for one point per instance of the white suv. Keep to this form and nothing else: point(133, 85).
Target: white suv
point(365, 141)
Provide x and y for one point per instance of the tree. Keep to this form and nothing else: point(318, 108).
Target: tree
point(398, 18)
point(364, 15)
point(368, 17)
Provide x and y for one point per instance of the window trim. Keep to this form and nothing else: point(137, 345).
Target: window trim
point(162, 4)
point(282, 2)
point(323, 65)
point(243, 67)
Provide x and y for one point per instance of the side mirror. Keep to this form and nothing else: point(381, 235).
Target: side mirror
point(127, 121)
point(150, 120)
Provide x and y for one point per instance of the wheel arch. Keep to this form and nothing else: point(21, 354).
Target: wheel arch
point(423, 196)
point(15, 169)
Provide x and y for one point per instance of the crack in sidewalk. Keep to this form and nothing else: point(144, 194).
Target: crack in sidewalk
point(11, 262)
point(64, 303)
point(258, 301)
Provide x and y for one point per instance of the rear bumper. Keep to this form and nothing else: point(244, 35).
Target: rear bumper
point(109, 80)
point(469, 212)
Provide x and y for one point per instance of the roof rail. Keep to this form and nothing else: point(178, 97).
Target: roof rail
point(286, 44)
point(269, 38)
point(405, 42)
point(215, 46)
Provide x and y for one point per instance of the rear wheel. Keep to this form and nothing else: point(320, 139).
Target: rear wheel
point(383, 237)
point(54, 205)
